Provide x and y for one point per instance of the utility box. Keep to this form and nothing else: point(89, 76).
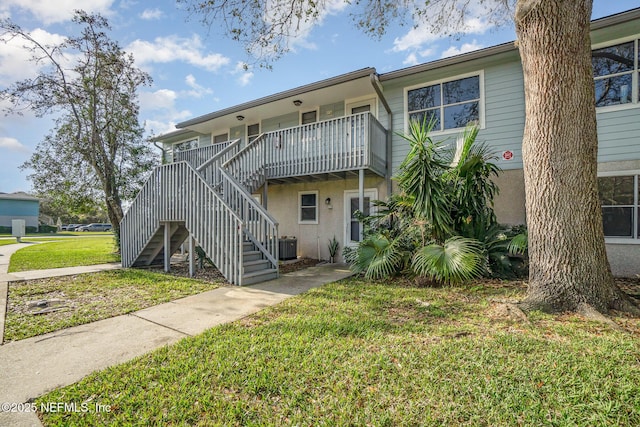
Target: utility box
point(18, 228)
point(287, 249)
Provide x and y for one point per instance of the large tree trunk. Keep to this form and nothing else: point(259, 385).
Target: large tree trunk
point(569, 269)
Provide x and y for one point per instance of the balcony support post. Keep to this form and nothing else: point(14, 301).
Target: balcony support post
point(167, 247)
point(192, 255)
point(361, 198)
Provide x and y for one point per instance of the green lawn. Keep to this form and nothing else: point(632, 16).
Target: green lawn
point(90, 297)
point(381, 354)
point(65, 253)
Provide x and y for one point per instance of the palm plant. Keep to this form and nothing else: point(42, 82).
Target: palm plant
point(441, 224)
point(420, 176)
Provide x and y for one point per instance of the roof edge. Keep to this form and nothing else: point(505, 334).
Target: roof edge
point(596, 24)
point(343, 78)
point(440, 63)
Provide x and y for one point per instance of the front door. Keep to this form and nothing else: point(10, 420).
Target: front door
point(351, 203)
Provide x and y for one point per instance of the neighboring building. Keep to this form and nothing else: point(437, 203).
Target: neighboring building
point(307, 158)
point(19, 206)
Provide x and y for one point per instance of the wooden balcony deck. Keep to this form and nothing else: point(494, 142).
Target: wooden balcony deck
point(332, 148)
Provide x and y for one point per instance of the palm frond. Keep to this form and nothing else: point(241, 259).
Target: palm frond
point(456, 261)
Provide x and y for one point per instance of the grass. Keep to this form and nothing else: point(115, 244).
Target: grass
point(91, 297)
point(360, 353)
point(65, 253)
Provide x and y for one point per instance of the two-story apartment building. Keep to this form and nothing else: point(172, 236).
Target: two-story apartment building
point(299, 163)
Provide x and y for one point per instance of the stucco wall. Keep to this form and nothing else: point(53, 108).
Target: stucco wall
point(283, 205)
point(509, 204)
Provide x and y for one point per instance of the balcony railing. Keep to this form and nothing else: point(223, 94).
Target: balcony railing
point(342, 144)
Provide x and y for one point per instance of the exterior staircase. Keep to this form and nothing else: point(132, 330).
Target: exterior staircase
point(179, 200)
point(207, 194)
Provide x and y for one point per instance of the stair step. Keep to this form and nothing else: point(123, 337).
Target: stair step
point(259, 276)
point(252, 255)
point(251, 266)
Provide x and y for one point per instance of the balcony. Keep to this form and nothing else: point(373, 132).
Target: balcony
point(331, 148)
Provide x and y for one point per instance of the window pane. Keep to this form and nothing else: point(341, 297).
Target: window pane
point(355, 203)
point(616, 190)
point(308, 117)
point(220, 138)
point(355, 231)
point(187, 145)
point(461, 90)
point(613, 90)
point(612, 59)
point(253, 129)
point(430, 115)
point(460, 115)
point(423, 98)
point(617, 222)
point(308, 214)
point(308, 200)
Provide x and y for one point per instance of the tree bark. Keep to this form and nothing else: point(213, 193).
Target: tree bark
point(569, 269)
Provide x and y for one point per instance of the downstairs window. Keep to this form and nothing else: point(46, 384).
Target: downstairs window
point(620, 201)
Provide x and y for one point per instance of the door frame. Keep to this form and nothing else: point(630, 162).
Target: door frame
point(372, 193)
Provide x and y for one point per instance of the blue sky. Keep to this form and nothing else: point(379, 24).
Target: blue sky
point(197, 70)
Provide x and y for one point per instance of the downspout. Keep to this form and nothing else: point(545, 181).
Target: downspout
point(164, 152)
point(375, 82)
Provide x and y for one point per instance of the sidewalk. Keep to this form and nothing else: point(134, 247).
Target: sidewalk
point(34, 366)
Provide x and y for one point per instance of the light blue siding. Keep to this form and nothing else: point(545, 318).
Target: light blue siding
point(19, 208)
point(619, 135)
point(503, 108)
point(331, 111)
point(281, 122)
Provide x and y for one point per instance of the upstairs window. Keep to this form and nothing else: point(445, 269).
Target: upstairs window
point(620, 201)
point(309, 117)
point(185, 145)
point(451, 104)
point(253, 131)
point(220, 138)
point(615, 72)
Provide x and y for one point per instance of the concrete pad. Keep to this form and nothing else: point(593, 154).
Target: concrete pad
point(65, 271)
point(4, 296)
point(197, 313)
point(19, 419)
point(34, 366)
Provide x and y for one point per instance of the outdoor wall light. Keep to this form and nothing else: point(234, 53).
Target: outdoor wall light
point(240, 118)
point(297, 103)
point(327, 201)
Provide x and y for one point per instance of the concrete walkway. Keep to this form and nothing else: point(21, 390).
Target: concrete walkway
point(34, 366)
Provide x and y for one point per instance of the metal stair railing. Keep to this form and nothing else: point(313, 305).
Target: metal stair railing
point(176, 192)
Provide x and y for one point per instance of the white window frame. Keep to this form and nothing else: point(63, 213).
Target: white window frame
point(316, 109)
point(254, 136)
point(304, 193)
point(481, 101)
point(359, 102)
point(635, 101)
point(634, 240)
point(226, 136)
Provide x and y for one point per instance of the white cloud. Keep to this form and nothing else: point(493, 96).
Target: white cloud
point(198, 90)
point(466, 47)
point(162, 99)
point(14, 58)
point(13, 144)
point(299, 32)
point(411, 59)
point(477, 20)
point(174, 48)
point(245, 74)
point(49, 12)
point(152, 14)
